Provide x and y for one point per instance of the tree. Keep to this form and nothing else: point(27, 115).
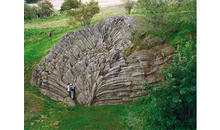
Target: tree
point(178, 96)
point(163, 17)
point(45, 9)
point(84, 13)
point(70, 4)
point(29, 12)
point(170, 104)
point(128, 5)
point(31, 1)
point(173, 105)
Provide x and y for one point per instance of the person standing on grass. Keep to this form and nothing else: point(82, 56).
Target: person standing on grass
point(68, 88)
point(50, 37)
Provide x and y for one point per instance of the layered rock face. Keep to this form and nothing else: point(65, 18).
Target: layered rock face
point(94, 59)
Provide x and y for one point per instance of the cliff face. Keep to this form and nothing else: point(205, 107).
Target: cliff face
point(94, 58)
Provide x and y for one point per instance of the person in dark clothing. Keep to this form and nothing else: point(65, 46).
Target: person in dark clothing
point(72, 89)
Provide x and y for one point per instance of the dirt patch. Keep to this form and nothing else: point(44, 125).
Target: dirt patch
point(113, 8)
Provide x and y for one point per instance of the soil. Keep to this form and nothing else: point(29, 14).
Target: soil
point(102, 3)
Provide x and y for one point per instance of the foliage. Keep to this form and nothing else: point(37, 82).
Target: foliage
point(31, 1)
point(84, 14)
point(128, 5)
point(172, 105)
point(45, 9)
point(29, 12)
point(69, 4)
point(165, 19)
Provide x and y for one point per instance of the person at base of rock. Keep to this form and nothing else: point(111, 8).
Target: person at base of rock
point(68, 88)
point(72, 88)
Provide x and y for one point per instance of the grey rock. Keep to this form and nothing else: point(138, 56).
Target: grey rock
point(69, 101)
point(93, 57)
point(168, 50)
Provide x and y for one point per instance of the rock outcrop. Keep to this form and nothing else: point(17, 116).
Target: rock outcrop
point(93, 57)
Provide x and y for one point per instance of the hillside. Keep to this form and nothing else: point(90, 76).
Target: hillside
point(41, 112)
point(127, 77)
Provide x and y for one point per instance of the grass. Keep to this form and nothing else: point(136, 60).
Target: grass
point(41, 112)
point(59, 116)
point(32, 35)
point(56, 20)
point(108, 12)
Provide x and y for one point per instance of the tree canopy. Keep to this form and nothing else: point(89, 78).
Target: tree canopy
point(70, 4)
point(84, 13)
point(31, 1)
point(45, 9)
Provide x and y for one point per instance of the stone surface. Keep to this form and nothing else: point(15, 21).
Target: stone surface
point(69, 101)
point(93, 57)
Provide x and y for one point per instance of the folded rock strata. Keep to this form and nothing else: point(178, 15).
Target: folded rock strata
point(93, 57)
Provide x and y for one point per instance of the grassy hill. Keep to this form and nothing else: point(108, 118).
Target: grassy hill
point(41, 112)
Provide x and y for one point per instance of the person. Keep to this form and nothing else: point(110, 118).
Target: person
point(72, 89)
point(68, 88)
point(73, 86)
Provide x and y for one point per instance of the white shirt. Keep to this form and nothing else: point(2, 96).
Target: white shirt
point(68, 88)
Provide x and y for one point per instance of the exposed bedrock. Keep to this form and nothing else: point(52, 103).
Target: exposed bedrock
point(93, 57)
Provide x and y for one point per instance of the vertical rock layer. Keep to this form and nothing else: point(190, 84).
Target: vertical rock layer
point(94, 59)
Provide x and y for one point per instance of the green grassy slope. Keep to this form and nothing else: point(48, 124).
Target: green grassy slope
point(41, 112)
point(37, 104)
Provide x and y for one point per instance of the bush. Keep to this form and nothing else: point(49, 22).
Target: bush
point(31, 1)
point(29, 12)
point(128, 5)
point(161, 18)
point(69, 4)
point(45, 9)
point(84, 14)
point(172, 105)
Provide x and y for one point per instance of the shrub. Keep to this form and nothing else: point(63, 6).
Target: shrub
point(161, 18)
point(31, 1)
point(128, 5)
point(172, 105)
point(45, 9)
point(29, 12)
point(69, 4)
point(84, 14)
